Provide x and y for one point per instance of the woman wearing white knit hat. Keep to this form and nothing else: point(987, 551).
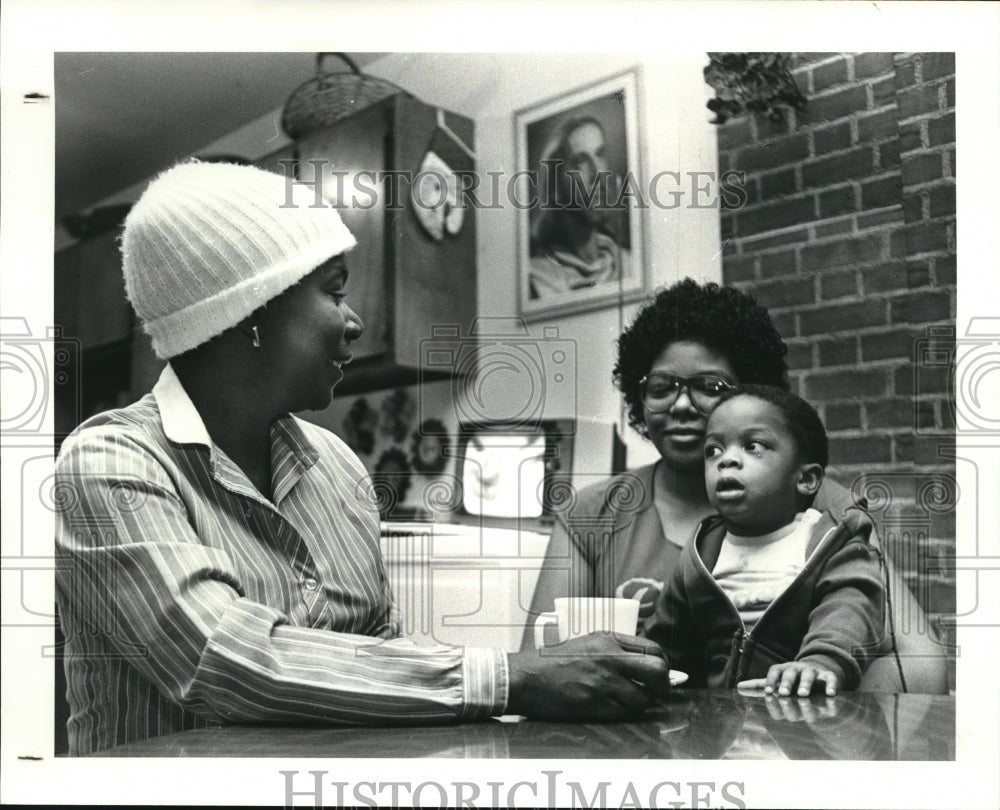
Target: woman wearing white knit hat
point(220, 557)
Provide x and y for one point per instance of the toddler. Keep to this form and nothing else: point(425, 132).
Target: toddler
point(771, 593)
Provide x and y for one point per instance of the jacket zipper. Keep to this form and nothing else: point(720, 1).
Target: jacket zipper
point(736, 672)
point(740, 636)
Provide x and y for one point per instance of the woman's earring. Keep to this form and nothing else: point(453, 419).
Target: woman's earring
point(255, 340)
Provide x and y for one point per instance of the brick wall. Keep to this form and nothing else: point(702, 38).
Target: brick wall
point(848, 236)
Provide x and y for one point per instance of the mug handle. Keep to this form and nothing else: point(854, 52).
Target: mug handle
point(543, 621)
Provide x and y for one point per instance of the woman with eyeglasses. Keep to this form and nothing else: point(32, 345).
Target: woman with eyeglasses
point(623, 537)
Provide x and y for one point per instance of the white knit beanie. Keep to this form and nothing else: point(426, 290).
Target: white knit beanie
point(209, 243)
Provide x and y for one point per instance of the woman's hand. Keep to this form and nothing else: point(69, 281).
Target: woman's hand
point(782, 678)
point(597, 677)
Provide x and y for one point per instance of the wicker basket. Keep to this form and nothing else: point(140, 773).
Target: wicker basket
point(331, 96)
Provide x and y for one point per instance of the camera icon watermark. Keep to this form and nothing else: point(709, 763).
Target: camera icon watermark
point(911, 511)
point(966, 369)
point(85, 579)
point(501, 373)
point(28, 388)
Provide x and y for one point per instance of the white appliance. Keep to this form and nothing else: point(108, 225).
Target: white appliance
point(463, 585)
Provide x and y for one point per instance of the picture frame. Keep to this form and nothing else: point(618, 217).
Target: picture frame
point(580, 238)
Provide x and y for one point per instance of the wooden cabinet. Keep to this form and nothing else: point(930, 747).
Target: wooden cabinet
point(403, 282)
point(90, 307)
point(90, 302)
point(66, 273)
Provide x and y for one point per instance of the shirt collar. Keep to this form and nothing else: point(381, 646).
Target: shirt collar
point(183, 424)
point(181, 421)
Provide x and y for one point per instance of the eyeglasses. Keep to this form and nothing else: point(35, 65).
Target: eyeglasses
point(660, 390)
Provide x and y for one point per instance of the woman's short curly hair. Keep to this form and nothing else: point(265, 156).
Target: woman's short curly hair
point(724, 319)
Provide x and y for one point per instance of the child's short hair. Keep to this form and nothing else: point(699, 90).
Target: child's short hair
point(800, 417)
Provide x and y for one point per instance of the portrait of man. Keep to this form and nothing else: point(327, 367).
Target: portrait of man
point(576, 241)
point(579, 231)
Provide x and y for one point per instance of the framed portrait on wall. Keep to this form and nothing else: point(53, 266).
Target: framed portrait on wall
point(580, 242)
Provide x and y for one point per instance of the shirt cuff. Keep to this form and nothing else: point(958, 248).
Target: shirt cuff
point(485, 681)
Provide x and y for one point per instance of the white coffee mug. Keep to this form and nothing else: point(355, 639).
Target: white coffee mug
point(580, 615)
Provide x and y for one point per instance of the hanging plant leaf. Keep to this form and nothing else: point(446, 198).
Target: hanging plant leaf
point(761, 83)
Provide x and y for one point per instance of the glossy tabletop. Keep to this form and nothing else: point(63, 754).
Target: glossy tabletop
point(691, 724)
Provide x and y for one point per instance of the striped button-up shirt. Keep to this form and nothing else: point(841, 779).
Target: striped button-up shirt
point(189, 599)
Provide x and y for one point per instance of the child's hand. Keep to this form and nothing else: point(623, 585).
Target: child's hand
point(782, 678)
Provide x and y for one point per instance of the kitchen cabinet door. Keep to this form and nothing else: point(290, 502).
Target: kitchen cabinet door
point(349, 158)
point(102, 312)
point(404, 282)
